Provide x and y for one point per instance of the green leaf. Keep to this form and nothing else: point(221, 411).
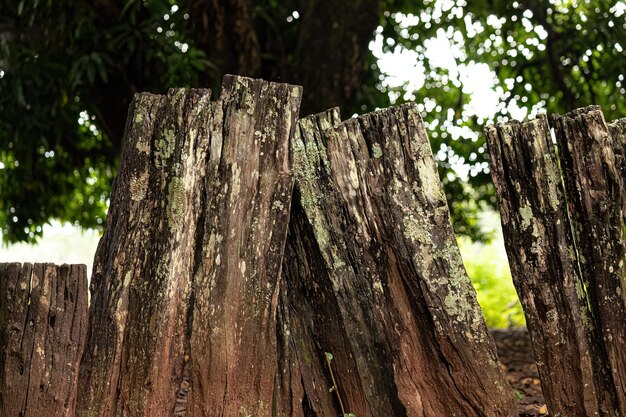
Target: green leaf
point(329, 356)
point(126, 7)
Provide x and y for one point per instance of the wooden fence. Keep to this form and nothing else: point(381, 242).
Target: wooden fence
point(254, 264)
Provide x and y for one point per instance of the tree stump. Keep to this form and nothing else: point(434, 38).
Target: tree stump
point(561, 210)
point(375, 289)
point(43, 318)
point(185, 280)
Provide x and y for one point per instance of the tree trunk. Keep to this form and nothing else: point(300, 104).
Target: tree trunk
point(565, 248)
point(374, 278)
point(43, 317)
point(185, 276)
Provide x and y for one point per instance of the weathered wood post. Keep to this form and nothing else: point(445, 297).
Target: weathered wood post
point(185, 280)
point(596, 198)
point(565, 247)
point(43, 319)
point(374, 278)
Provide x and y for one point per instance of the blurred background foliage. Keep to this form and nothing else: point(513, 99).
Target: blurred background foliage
point(69, 69)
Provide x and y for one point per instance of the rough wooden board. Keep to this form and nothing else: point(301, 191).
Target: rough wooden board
point(374, 277)
point(141, 279)
point(187, 262)
point(43, 310)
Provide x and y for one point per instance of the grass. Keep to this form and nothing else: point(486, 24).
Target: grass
point(488, 268)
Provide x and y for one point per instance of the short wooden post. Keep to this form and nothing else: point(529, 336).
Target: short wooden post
point(561, 209)
point(43, 319)
point(374, 278)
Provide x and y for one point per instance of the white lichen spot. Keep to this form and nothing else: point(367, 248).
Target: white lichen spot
point(139, 186)
point(164, 147)
point(138, 117)
point(278, 205)
point(415, 230)
point(143, 147)
point(242, 267)
point(377, 151)
point(425, 150)
point(526, 212)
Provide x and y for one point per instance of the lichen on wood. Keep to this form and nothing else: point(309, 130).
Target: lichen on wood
point(373, 275)
point(188, 261)
point(561, 209)
point(245, 219)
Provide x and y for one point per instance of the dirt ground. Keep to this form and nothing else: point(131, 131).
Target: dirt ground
point(516, 356)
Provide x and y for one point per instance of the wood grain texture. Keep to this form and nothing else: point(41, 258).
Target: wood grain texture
point(43, 314)
point(561, 211)
point(373, 275)
point(183, 241)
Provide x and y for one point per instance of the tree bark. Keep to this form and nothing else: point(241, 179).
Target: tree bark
point(43, 318)
point(185, 281)
point(331, 51)
point(373, 276)
point(560, 205)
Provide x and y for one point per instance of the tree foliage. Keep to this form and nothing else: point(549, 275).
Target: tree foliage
point(546, 56)
point(68, 70)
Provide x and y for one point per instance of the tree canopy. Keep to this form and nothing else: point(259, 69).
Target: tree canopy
point(69, 69)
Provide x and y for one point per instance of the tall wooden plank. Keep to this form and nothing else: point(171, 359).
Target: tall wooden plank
point(561, 205)
point(544, 265)
point(247, 197)
point(141, 279)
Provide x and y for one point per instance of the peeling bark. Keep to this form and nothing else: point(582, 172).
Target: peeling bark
point(43, 317)
point(192, 173)
point(374, 277)
point(561, 212)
